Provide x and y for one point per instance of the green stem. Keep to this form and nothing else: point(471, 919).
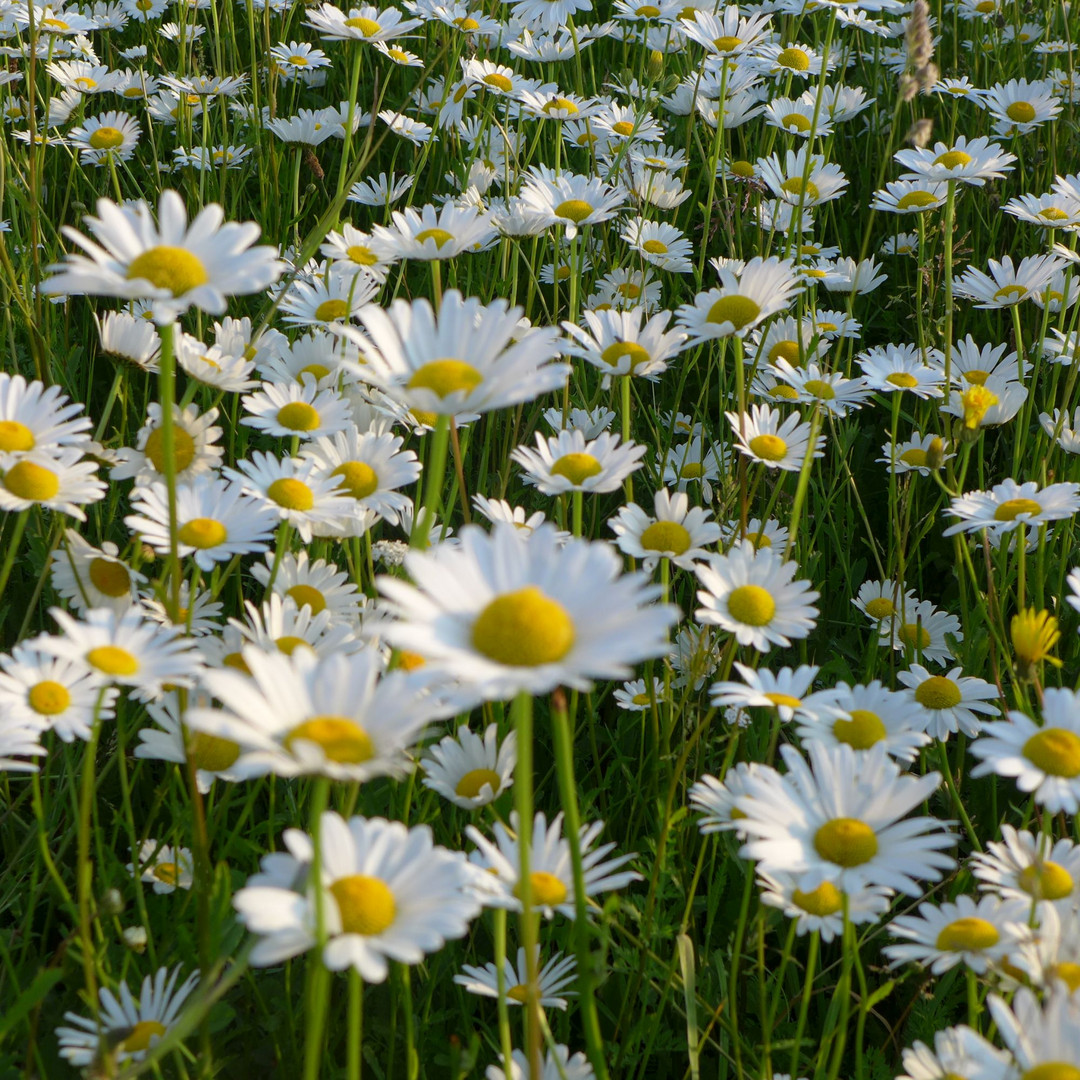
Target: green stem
point(506, 1043)
point(804, 1004)
point(13, 543)
point(318, 988)
point(355, 1030)
point(436, 472)
point(166, 398)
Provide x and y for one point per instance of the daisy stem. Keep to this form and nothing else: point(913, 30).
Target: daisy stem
point(578, 504)
point(950, 214)
point(958, 803)
point(804, 481)
point(564, 764)
point(356, 1024)
point(804, 1004)
point(436, 469)
point(1021, 563)
point(85, 868)
point(522, 710)
point(506, 1042)
point(166, 397)
point(318, 988)
point(354, 83)
point(13, 543)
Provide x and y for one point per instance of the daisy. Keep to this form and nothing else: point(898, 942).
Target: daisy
point(198, 615)
point(1044, 1038)
point(194, 447)
point(332, 296)
point(996, 401)
point(632, 696)
point(386, 892)
point(970, 162)
point(727, 33)
point(282, 625)
point(888, 368)
point(215, 520)
point(920, 453)
point(213, 365)
point(967, 932)
point(295, 410)
point(557, 1064)
point(829, 390)
point(469, 358)
point(919, 626)
point(842, 819)
point(786, 339)
point(1049, 954)
point(958, 1051)
point(469, 771)
point(659, 243)
point(1051, 211)
point(302, 714)
point(315, 584)
point(1063, 429)
point(60, 481)
point(500, 511)
point(910, 196)
point(763, 437)
point(617, 343)
point(797, 118)
point(879, 600)
point(553, 979)
point(89, 577)
point(822, 911)
point(128, 1028)
point(135, 340)
point(429, 233)
point(112, 135)
point(174, 265)
point(507, 612)
point(351, 249)
point(381, 190)
point(45, 692)
point(863, 716)
point(550, 872)
point(787, 691)
point(1029, 868)
point(122, 648)
point(786, 181)
point(751, 593)
point(365, 23)
point(569, 199)
point(1044, 760)
point(678, 532)
point(715, 800)
point(1020, 106)
point(745, 298)
point(567, 462)
point(793, 59)
point(1008, 505)
point(166, 868)
point(849, 276)
point(950, 701)
point(1007, 284)
point(18, 742)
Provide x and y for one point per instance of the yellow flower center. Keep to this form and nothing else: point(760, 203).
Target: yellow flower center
point(785, 350)
point(291, 494)
point(167, 872)
point(789, 700)
point(358, 479)
point(938, 692)
point(31, 482)
point(794, 186)
point(367, 27)
point(466, 23)
point(984, 7)
point(500, 82)
point(48, 698)
point(1021, 111)
point(519, 993)
point(440, 236)
point(618, 349)
point(366, 904)
point(173, 269)
point(1055, 751)
point(1009, 294)
point(470, 785)
point(112, 660)
point(523, 628)
point(298, 416)
point(795, 59)
point(914, 635)
point(820, 389)
point(623, 127)
point(15, 437)
point(629, 289)
point(743, 169)
point(1052, 1070)
point(881, 607)
point(727, 43)
point(903, 379)
point(1011, 509)
point(316, 371)
point(915, 198)
point(914, 457)
point(577, 468)
point(577, 210)
point(846, 842)
point(861, 731)
point(655, 247)
point(141, 1035)
point(331, 310)
point(641, 699)
point(953, 159)
point(692, 470)
point(106, 138)
point(298, 61)
point(784, 392)
point(183, 449)
point(307, 595)
point(212, 753)
point(1048, 881)
point(752, 605)
point(446, 377)
point(1053, 213)
point(826, 899)
point(342, 740)
point(795, 120)
point(769, 447)
point(202, 533)
point(561, 104)
point(547, 889)
point(1068, 973)
point(666, 536)
point(289, 643)
point(110, 578)
point(969, 934)
point(738, 310)
point(361, 255)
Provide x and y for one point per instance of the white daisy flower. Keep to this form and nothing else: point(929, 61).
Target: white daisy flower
point(316, 584)
point(715, 800)
point(429, 233)
point(764, 437)
point(618, 344)
point(88, 577)
point(194, 449)
point(165, 867)
point(469, 771)
point(557, 1063)
point(920, 453)
point(499, 511)
point(889, 368)
point(633, 696)
point(969, 161)
point(569, 199)
point(552, 979)
point(787, 691)
point(922, 628)
point(951, 701)
point(1033, 868)
point(59, 481)
point(1044, 1038)
point(822, 911)
point(957, 1051)
point(36, 418)
point(678, 532)
point(1007, 284)
point(1008, 505)
point(567, 462)
point(282, 625)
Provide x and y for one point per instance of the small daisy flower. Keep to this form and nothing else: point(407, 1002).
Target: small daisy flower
point(678, 532)
point(829, 390)
point(786, 180)
point(919, 626)
point(333, 296)
point(429, 233)
point(33, 417)
point(1042, 1037)
point(1007, 283)
point(553, 979)
point(777, 444)
point(889, 368)
point(1008, 505)
point(165, 867)
point(969, 161)
point(920, 453)
point(633, 696)
point(469, 771)
point(558, 1063)
point(281, 625)
point(295, 410)
point(822, 910)
point(194, 447)
point(659, 243)
point(695, 461)
point(567, 462)
point(617, 343)
point(951, 701)
point(1049, 955)
point(910, 196)
point(569, 199)
point(715, 800)
point(787, 691)
point(312, 583)
point(60, 481)
point(958, 1051)
point(752, 594)
point(499, 511)
point(88, 577)
point(1030, 868)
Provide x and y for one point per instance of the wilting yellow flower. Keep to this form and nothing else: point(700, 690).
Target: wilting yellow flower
point(977, 401)
point(1034, 634)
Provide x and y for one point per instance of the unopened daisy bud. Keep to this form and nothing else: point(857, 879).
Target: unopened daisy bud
point(135, 938)
point(1034, 634)
point(918, 135)
point(977, 401)
point(935, 453)
point(656, 64)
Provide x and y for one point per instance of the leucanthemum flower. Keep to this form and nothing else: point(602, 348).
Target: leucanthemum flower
point(726, 33)
point(1020, 106)
point(910, 196)
point(194, 446)
point(892, 368)
point(172, 264)
point(165, 867)
point(292, 409)
point(126, 1028)
point(469, 771)
point(558, 1064)
point(387, 893)
point(110, 135)
point(1043, 759)
point(1008, 505)
point(957, 1051)
point(311, 583)
point(430, 233)
point(333, 296)
point(842, 819)
point(507, 612)
point(617, 343)
point(1032, 868)
point(822, 910)
point(1007, 284)
point(34, 417)
point(967, 932)
point(831, 391)
point(282, 625)
point(825, 182)
point(567, 462)
point(919, 626)
point(569, 199)
point(969, 161)
point(659, 243)
point(951, 701)
point(678, 532)
point(1044, 1038)
point(919, 453)
point(88, 577)
point(777, 444)
point(499, 511)
point(59, 481)
point(634, 696)
point(788, 691)
point(550, 872)
point(553, 979)
point(365, 23)
point(879, 600)
point(715, 800)
point(751, 593)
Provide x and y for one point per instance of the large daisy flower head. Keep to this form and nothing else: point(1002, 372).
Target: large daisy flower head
point(468, 358)
point(678, 532)
point(506, 612)
point(1009, 505)
point(752, 593)
point(173, 264)
point(1033, 868)
point(387, 893)
point(841, 818)
point(971, 161)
